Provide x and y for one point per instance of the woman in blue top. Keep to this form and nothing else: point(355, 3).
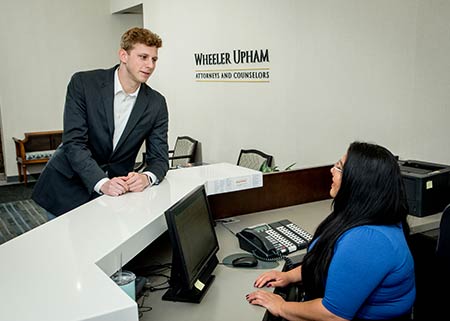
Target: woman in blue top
point(359, 266)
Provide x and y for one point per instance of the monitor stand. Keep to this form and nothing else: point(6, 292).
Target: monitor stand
point(182, 295)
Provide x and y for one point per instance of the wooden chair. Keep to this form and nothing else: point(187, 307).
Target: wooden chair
point(35, 148)
point(254, 159)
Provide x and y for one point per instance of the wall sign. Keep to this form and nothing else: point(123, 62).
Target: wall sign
point(235, 66)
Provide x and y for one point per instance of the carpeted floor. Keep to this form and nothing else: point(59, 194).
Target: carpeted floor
point(18, 213)
point(15, 192)
point(19, 217)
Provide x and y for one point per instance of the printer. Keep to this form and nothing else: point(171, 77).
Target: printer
point(427, 186)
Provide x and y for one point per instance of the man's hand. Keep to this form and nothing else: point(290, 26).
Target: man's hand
point(115, 186)
point(137, 182)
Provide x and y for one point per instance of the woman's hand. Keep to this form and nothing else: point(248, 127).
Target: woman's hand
point(272, 302)
point(278, 279)
point(272, 279)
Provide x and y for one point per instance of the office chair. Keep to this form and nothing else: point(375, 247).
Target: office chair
point(139, 166)
point(254, 159)
point(432, 266)
point(443, 242)
point(437, 276)
point(184, 151)
point(182, 154)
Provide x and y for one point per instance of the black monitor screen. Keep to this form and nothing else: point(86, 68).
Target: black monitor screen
point(194, 247)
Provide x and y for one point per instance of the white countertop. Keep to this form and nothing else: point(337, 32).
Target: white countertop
point(60, 270)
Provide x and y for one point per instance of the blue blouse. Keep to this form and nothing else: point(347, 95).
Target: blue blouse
point(371, 274)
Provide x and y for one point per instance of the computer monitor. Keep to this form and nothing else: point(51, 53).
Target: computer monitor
point(194, 247)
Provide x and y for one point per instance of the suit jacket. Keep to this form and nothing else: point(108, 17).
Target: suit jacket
point(86, 154)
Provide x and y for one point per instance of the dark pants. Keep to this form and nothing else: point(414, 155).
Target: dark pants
point(50, 216)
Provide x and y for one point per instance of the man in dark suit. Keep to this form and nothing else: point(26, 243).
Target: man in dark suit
point(108, 115)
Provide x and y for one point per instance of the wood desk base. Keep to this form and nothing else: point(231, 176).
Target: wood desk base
point(280, 189)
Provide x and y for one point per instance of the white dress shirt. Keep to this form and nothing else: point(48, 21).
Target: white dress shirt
point(123, 105)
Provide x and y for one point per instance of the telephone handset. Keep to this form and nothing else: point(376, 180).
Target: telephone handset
point(274, 240)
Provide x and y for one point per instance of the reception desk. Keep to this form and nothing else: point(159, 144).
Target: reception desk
point(225, 300)
point(61, 270)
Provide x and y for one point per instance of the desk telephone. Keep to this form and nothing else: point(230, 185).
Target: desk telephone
point(273, 241)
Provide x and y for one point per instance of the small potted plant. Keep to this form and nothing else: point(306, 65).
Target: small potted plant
point(269, 169)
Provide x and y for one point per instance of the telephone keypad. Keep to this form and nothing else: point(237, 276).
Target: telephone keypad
point(291, 235)
point(306, 235)
point(293, 232)
point(278, 246)
point(278, 237)
point(274, 240)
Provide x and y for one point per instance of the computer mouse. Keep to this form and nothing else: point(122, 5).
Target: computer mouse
point(245, 261)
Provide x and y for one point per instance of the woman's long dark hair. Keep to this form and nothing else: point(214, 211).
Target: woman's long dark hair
point(371, 193)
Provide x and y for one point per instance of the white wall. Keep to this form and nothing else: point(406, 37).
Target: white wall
point(429, 127)
point(42, 44)
point(340, 71)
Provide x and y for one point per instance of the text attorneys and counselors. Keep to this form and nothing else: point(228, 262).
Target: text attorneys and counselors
point(358, 265)
point(108, 115)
